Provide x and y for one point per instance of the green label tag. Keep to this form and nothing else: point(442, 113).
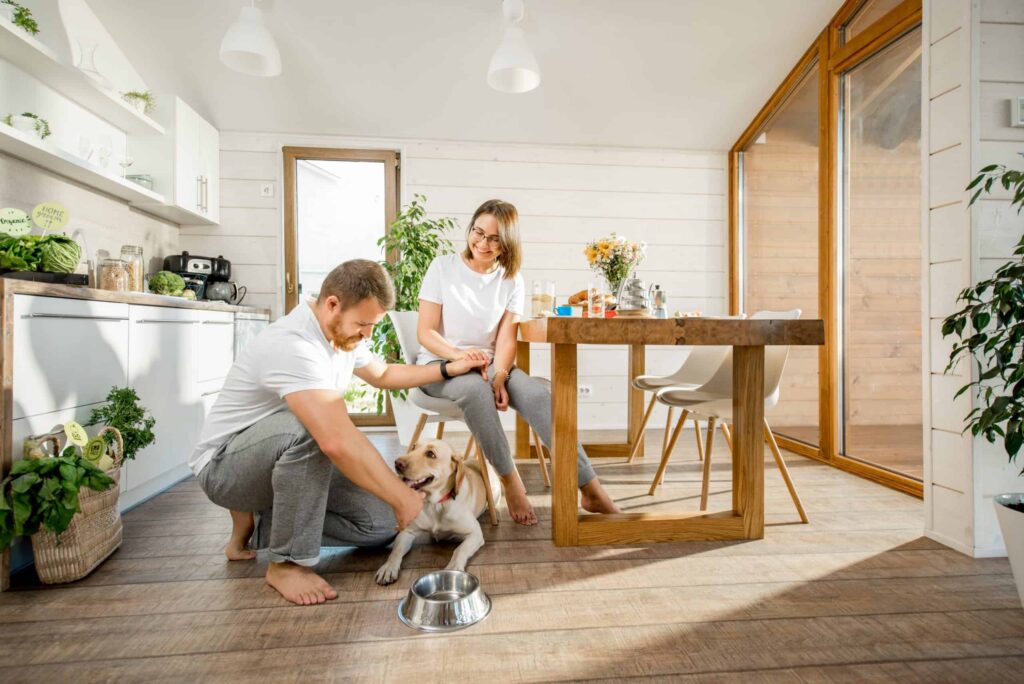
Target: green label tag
point(76, 433)
point(15, 222)
point(94, 449)
point(50, 216)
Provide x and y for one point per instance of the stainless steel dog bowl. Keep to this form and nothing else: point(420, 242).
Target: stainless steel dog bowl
point(444, 601)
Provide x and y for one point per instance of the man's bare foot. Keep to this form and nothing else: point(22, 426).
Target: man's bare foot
point(519, 506)
point(299, 584)
point(242, 525)
point(594, 499)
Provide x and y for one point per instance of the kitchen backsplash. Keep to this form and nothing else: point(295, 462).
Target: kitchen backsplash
point(107, 222)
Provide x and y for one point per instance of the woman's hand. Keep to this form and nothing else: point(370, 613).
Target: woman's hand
point(475, 355)
point(500, 394)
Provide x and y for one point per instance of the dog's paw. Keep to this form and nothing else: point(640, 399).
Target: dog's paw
point(455, 565)
point(388, 573)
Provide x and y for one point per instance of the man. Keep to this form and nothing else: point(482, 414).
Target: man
point(279, 440)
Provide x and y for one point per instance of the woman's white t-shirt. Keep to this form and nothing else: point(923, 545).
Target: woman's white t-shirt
point(472, 303)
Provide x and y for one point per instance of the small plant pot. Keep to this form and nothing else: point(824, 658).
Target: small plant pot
point(1010, 512)
point(25, 124)
point(137, 105)
point(7, 12)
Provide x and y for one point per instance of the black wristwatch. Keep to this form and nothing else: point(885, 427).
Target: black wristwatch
point(444, 370)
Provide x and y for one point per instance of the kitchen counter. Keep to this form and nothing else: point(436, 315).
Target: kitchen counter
point(12, 286)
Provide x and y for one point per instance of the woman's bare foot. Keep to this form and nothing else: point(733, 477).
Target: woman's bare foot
point(594, 499)
point(299, 584)
point(519, 506)
point(242, 525)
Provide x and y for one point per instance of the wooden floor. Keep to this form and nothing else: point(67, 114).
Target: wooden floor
point(857, 595)
point(895, 447)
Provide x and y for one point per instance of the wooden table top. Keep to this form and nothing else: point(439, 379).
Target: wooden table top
point(673, 331)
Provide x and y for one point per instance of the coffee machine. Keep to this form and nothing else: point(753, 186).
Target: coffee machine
point(199, 272)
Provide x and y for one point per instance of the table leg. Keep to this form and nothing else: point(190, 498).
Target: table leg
point(522, 449)
point(748, 438)
point(564, 497)
point(635, 404)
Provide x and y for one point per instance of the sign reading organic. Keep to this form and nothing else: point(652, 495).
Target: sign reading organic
point(15, 222)
point(50, 216)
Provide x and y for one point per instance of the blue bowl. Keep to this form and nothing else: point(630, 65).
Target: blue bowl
point(563, 310)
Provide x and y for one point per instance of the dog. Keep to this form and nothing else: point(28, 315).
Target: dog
point(456, 497)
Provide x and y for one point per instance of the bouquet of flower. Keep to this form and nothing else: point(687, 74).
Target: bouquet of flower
point(614, 257)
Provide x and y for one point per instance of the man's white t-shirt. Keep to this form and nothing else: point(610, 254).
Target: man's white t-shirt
point(472, 303)
point(292, 355)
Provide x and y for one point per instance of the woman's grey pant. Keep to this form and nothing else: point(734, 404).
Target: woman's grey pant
point(301, 500)
point(529, 398)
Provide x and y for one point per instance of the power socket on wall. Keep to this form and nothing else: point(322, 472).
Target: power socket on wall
point(266, 189)
point(584, 390)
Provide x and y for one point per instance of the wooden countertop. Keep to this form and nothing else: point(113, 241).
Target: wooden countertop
point(702, 331)
point(15, 286)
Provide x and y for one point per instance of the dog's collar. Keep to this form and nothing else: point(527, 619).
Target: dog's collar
point(449, 495)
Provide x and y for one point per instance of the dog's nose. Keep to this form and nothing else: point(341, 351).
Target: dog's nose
point(399, 465)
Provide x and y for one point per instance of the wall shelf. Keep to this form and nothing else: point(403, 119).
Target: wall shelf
point(51, 157)
point(39, 61)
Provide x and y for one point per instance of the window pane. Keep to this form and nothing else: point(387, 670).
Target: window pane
point(881, 297)
point(340, 215)
point(779, 205)
point(870, 12)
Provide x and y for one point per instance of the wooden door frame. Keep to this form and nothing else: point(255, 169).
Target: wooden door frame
point(291, 155)
point(832, 60)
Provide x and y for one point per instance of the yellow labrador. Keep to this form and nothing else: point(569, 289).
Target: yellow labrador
point(455, 499)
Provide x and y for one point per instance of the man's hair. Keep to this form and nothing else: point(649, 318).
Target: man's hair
point(356, 280)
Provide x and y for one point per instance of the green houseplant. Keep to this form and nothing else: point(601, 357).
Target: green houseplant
point(20, 16)
point(123, 412)
point(27, 122)
point(142, 100)
point(990, 329)
point(413, 242)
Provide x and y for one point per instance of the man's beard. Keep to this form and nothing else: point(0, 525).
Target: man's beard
point(348, 343)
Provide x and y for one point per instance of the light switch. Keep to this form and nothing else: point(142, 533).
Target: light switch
point(1017, 112)
point(266, 190)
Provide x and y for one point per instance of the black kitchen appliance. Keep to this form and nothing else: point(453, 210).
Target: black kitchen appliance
point(197, 271)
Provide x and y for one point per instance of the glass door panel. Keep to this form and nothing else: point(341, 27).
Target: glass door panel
point(880, 112)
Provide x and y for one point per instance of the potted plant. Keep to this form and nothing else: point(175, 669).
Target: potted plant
point(143, 100)
point(19, 15)
point(413, 241)
point(990, 329)
point(29, 123)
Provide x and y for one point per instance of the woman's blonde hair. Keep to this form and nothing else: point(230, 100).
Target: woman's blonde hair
point(508, 234)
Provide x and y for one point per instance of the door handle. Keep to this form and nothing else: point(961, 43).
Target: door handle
point(289, 287)
point(165, 320)
point(76, 316)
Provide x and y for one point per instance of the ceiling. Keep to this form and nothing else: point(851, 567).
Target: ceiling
point(683, 74)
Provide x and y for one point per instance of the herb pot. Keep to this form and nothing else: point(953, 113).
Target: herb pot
point(25, 124)
point(1010, 513)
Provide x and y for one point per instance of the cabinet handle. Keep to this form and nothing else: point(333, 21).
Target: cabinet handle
point(206, 394)
point(77, 316)
point(217, 322)
point(206, 194)
point(202, 193)
point(164, 320)
point(288, 287)
point(199, 193)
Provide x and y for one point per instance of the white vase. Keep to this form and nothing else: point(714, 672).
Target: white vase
point(25, 124)
point(1011, 524)
point(7, 12)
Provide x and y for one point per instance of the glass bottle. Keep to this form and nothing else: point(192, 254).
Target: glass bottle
point(132, 256)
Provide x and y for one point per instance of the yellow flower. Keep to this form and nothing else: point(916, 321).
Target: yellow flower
point(603, 245)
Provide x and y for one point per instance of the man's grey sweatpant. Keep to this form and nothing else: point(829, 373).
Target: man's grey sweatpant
point(276, 470)
point(531, 399)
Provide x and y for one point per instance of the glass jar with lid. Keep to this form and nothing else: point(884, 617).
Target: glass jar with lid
point(114, 275)
point(132, 256)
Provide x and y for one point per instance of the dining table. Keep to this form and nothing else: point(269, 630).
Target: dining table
point(747, 337)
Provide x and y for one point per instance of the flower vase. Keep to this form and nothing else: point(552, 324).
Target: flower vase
point(613, 289)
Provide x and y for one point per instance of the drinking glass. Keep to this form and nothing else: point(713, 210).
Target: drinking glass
point(595, 294)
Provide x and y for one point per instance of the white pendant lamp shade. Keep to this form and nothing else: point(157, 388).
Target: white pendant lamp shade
point(248, 46)
point(513, 67)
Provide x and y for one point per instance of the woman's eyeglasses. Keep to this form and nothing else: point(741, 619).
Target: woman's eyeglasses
point(492, 240)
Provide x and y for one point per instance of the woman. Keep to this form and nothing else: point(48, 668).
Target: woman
point(470, 304)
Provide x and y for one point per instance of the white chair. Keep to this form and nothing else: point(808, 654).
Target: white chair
point(697, 369)
point(439, 410)
point(713, 399)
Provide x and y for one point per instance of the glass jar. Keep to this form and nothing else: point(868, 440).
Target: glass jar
point(114, 275)
point(132, 256)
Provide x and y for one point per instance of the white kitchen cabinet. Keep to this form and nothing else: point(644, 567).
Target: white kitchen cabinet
point(185, 165)
point(216, 341)
point(67, 353)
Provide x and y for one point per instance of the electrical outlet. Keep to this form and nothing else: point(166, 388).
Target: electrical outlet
point(266, 190)
point(584, 390)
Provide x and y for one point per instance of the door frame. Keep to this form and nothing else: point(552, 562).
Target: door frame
point(291, 156)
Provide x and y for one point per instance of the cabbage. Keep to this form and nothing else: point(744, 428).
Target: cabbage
point(60, 254)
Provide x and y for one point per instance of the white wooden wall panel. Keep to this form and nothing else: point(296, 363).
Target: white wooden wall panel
point(947, 127)
point(995, 111)
point(950, 175)
point(953, 470)
point(949, 65)
point(1002, 11)
point(1002, 52)
point(949, 233)
point(566, 196)
point(946, 16)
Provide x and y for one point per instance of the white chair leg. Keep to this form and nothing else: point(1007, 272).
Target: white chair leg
point(667, 453)
point(420, 424)
point(707, 465)
point(640, 432)
point(492, 511)
point(440, 430)
point(540, 457)
point(770, 438)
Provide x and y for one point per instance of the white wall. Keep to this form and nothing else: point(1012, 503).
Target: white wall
point(673, 200)
point(975, 62)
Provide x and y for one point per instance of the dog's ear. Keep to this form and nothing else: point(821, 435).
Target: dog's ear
point(458, 456)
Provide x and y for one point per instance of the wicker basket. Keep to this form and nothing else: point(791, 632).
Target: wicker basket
point(94, 532)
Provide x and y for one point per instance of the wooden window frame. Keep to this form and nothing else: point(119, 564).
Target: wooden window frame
point(832, 59)
point(291, 156)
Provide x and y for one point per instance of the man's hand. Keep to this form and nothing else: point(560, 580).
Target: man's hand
point(500, 395)
point(466, 364)
point(408, 507)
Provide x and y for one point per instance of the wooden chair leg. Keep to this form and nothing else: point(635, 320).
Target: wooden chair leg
point(770, 438)
point(469, 447)
point(420, 424)
point(492, 511)
point(727, 434)
point(707, 465)
point(540, 457)
point(440, 430)
point(667, 453)
point(640, 432)
point(700, 439)
point(664, 439)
